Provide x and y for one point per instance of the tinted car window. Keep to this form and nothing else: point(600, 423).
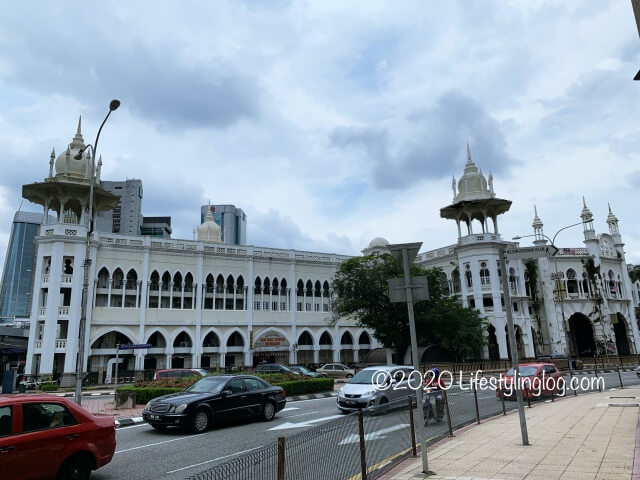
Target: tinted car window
point(236, 385)
point(5, 421)
point(207, 385)
point(42, 416)
point(251, 384)
point(163, 374)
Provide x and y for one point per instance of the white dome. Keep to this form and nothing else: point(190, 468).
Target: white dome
point(67, 165)
point(378, 242)
point(209, 231)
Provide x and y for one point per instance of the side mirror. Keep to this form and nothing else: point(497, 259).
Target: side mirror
point(226, 392)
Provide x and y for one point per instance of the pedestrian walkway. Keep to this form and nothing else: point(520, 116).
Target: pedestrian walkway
point(106, 406)
point(591, 436)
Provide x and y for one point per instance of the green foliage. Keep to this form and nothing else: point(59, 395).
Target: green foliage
point(302, 387)
point(144, 394)
point(361, 286)
point(146, 391)
point(48, 387)
point(634, 273)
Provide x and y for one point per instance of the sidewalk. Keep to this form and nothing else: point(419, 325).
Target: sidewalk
point(591, 436)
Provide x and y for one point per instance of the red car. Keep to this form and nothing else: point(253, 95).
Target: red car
point(536, 379)
point(43, 436)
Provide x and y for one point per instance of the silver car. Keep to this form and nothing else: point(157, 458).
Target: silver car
point(376, 386)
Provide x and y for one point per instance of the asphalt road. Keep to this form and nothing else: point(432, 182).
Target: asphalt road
point(320, 442)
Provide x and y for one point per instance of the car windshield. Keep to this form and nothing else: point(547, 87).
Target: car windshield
point(524, 372)
point(202, 372)
point(301, 369)
point(207, 385)
point(369, 377)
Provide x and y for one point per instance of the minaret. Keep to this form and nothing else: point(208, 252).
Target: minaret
point(537, 229)
point(491, 182)
point(453, 185)
point(52, 159)
point(587, 220)
point(612, 221)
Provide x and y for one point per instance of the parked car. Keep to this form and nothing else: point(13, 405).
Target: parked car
point(638, 370)
point(336, 370)
point(535, 377)
point(215, 397)
point(176, 373)
point(274, 368)
point(375, 387)
point(42, 436)
point(306, 372)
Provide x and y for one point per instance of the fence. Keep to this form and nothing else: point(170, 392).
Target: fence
point(363, 444)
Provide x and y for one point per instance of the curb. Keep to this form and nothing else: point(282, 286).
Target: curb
point(125, 422)
point(312, 396)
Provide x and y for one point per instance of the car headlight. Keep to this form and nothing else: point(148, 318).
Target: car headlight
point(341, 391)
point(369, 393)
point(181, 408)
point(148, 405)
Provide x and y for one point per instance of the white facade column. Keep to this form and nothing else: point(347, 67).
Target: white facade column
point(223, 355)
point(171, 294)
point(224, 296)
point(144, 284)
point(124, 290)
point(249, 294)
point(291, 280)
point(499, 312)
point(35, 309)
point(235, 295)
point(215, 291)
point(51, 312)
point(160, 293)
point(271, 297)
point(138, 293)
point(463, 284)
point(321, 299)
point(197, 301)
point(75, 306)
point(356, 357)
point(245, 297)
point(110, 285)
point(316, 354)
point(182, 296)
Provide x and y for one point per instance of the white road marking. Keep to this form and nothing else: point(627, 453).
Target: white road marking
point(213, 460)
point(312, 399)
point(307, 423)
point(290, 408)
point(299, 415)
point(378, 434)
point(157, 443)
point(127, 427)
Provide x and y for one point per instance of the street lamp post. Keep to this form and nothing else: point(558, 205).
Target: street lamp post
point(113, 105)
point(559, 290)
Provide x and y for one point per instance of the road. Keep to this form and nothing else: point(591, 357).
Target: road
point(313, 430)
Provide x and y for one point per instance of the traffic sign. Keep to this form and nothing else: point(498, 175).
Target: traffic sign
point(398, 292)
point(530, 252)
point(134, 346)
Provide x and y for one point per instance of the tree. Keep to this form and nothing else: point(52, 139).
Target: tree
point(634, 273)
point(361, 286)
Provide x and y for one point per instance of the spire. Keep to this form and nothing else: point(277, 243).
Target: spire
point(491, 182)
point(586, 214)
point(468, 153)
point(612, 220)
point(78, 141)
point(453, 185)
point(537, 223)
point(99, 169)
point(51, 160)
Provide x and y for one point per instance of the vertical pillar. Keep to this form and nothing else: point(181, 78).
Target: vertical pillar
point(197, 301)
point(51, 312)
point(316, 354)
point(35, 309)
point(171, 294)
point(71, 351)
point(143, 287)
point(224, 296)
point(138, 293)
point(182, 296)
point(235, 295)
point(124, 291)
point(109, 294)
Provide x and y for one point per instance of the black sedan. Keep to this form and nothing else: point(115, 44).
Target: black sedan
point(215, 398)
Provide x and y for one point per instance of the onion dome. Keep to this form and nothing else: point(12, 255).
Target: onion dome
point(209, 231)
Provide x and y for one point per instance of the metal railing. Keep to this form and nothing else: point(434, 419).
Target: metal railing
point(367, 443)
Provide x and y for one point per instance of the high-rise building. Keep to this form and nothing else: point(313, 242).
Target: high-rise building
point(17, 276)
point(232, 222)
point(126, 217)
point(156, 227)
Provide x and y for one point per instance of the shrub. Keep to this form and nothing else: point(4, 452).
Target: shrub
point(48, 387)
point(144, 394)
point(302, 387)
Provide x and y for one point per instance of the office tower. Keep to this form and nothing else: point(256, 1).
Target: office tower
point(232, 222)
point(156, 227)
point(126, 217)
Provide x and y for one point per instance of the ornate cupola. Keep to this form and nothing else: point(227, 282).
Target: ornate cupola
point(474, 200)
point(209, 231)
point(67, 191)
point(587, 220)
point(612, 221)
point(537, 228)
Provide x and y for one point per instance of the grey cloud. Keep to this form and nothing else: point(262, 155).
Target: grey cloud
point(441, 133)
point(280, 231)
point(162, 81)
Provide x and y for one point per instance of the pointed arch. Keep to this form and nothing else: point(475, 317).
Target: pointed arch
point(283, 286)
point(132, 279)
point(230, 284)
point(157, 339)
point(211, 338)
point(235, 338)
point(300, 288)
point(166, 281)
point(346, 339)
point(219, 283)
point(182, 339)
point(210, 283)
point(326, 288)
point(309, 288)
point(111, 338)
point(266, 285)
point(306, 338)
point(364, 338)
point(154, 280)
point(317, 289)
point(103, 278)
point(325, 338)
point(117, 279)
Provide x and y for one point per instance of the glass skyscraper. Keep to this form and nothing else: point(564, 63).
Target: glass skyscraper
point(232, 222)
point(19, 265)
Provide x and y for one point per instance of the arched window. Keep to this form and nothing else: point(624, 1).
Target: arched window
point(364, 339)
point(513, 280)
point(346, 339)
point(468, 277)
point(326, 289)
point(177, 282)
point(572, 282)
point(485, 278)
point(166, 281)
point(283, 286)
point(235, 340)
point(211, 340)
point(258, 287)
point(117, 279)
point(455, 280)
point(132, 279)
point(220, 284)
point(210, 283)
point(305, 339)
point(103, 278)
point(325, 338)
point(182, 340)
point(300, 289)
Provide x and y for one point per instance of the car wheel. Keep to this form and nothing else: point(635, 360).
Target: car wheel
point(77, 467)
point(200, 421)
point(349, 375)
point(268, 411)
point(158, 427)
point(383, 406)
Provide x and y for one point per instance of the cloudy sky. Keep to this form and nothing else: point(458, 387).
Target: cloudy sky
point(332, 122)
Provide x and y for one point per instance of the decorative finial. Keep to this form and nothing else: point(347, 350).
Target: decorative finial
point(78, 142)
point(51, 159)
point(79, 131)
point(584, 202)
point(453, 185)
point(468, 153)
point(609, 205)
point(535, 210)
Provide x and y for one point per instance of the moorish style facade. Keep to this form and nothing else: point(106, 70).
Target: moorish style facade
point(197, 303)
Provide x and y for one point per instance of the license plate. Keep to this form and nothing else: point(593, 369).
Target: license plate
point(350, 402)
point(154, 417)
